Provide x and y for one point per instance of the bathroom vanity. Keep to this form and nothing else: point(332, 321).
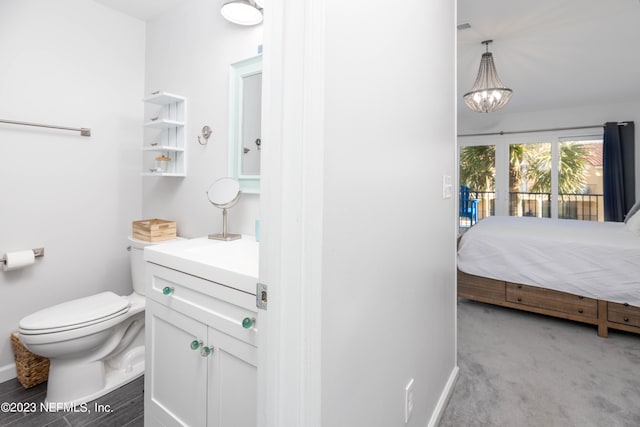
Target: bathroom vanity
point(201, 333)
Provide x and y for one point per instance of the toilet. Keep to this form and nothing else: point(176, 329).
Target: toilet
point(94, 344)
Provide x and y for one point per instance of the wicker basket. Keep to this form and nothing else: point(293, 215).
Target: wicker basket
point(32, 369)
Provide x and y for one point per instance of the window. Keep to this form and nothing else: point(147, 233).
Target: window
point(478, 173)
point(530, 179)
point(552, 177)
point(580, 193)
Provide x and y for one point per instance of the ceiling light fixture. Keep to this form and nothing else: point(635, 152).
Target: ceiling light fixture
point(242, 12)
point(488, 93)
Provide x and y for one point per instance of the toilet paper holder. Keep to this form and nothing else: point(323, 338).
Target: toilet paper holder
point(37, 252)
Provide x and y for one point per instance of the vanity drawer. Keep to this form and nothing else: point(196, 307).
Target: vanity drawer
point(219, 306)
point(552, 300)
point(623, 313)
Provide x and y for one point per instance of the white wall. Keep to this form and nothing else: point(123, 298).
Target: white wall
point(189, 51)
point(78, 64)
point(359, 244)
point(580, 115)
point(388, 298)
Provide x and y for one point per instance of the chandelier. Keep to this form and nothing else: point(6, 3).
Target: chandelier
point(488, 92)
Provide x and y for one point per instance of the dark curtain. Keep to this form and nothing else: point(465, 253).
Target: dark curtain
point(619, 165)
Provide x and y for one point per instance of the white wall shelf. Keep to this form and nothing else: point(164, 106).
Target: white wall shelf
point(165, 129)
point(179, 175)
point(163, 124)
point(163, 98)
point(163, 148)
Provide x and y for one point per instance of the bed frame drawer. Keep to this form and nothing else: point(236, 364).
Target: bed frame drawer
point(480, 288)
point(623, 313)
point(552, 300)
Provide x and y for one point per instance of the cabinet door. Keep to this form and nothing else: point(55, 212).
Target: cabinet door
point(232, 381)
point(176, 375)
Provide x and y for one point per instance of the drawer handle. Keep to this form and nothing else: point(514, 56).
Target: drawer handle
point(580, 297)
point(167, 290)
point(196, 344)
point(206, 351)
point(580, 311)
point(626, 319)
point(248, 322)
point(519, 286)
point(626, 304)
point(519, 299)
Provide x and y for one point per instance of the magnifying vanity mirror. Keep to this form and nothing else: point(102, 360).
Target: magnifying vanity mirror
point(223, 194)
point(245, 120)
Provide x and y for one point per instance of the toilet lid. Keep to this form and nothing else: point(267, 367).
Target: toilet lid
point(73, 314)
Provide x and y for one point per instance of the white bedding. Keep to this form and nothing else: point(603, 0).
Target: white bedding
point(593, 259)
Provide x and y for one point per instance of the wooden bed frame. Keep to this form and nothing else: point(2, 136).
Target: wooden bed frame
point(604, 314)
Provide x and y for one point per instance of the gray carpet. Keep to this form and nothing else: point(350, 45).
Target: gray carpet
point(521, 369)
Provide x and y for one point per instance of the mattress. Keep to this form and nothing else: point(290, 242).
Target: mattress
point(593, 259)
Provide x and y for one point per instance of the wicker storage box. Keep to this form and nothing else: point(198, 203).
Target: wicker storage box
point(32, 369)
point(154, 230)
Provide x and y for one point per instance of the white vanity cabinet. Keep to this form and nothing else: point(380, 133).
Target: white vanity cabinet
point(201, 354)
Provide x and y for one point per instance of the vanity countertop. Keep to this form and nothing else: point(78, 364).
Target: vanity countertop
point(233, 263)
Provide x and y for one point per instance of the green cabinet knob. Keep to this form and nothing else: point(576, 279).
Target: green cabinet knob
point(248, 322)
point(206, 351)
point(196, 344)
point(167, 290)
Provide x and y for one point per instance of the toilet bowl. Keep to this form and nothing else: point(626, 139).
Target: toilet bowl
point(94, 344)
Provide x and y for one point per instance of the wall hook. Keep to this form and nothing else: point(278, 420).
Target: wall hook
point(206, 133)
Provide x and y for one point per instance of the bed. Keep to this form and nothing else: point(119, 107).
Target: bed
point(579, 270)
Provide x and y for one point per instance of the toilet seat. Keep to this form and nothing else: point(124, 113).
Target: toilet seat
point(75, 314)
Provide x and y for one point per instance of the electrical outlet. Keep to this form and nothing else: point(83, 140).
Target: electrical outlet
point(408, 401)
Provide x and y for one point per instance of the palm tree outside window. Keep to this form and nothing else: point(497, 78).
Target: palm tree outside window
point(571, 188)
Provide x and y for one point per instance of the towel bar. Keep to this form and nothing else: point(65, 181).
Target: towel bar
point(83, 131)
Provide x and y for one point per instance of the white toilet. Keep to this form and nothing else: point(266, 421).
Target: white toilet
point(94, 344)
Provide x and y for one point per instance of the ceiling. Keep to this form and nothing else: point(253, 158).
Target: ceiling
point(549, 52)
point(553, 52)
point(141, 9)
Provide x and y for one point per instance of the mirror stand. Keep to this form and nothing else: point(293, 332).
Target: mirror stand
point(224, 235)
point(223, 194)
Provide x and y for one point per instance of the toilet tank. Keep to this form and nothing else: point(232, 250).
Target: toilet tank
point(136, 255)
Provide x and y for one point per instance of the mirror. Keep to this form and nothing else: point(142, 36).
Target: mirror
point(245, 121)
point(223, 194)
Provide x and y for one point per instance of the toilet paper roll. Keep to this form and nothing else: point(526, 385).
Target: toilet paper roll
point(18, 259)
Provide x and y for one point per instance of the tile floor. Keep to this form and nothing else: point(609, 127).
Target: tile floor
point(123, 407)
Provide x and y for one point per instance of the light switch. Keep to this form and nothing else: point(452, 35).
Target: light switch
point(447, 187)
